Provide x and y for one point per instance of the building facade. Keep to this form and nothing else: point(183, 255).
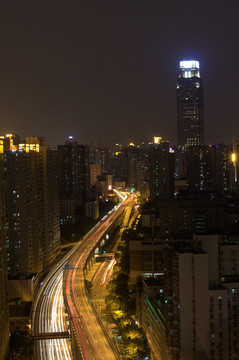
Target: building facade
point(209, 168)
point(223, 254)
point(32, 207)
point(4, 313)
point(74, 177)
point(182, 218)
point(161, 170)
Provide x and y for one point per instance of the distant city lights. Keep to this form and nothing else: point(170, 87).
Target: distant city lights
point(157, 139)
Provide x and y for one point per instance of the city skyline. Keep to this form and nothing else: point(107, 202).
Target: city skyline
point(60, 197)
point(89, 69)
point(119, 162)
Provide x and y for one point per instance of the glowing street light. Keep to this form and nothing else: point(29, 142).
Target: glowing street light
point(234, 161)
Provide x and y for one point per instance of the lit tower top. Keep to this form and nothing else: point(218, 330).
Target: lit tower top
point(189, 68)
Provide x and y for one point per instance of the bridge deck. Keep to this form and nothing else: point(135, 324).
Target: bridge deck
point(51, 335)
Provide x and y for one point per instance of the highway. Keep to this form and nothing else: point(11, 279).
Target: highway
point(91, 339)
point(100, 279)
point(49, 316)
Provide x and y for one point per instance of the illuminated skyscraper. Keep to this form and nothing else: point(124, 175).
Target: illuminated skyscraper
point(190, 104)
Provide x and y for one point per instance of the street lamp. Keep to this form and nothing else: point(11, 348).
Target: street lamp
point(234, 161)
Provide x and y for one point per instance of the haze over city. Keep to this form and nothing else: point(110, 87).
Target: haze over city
point(107, 71)
point(119, 191)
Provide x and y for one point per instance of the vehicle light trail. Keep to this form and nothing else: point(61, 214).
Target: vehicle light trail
point(108, 272)
point(90, 336)
point(48, 313)
point(52, 319)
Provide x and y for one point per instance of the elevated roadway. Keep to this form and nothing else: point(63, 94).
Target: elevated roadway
point(92, 341)
point(49, 314)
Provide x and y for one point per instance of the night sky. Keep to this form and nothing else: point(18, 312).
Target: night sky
point(107, 70)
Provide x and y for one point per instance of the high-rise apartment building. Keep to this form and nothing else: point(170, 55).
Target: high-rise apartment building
point(4, 315)
point(190, 104)
point(101, 156)
point(74, 178)
point(32, 206)
point(95, 170)
point(209, 168)
point(142, 171)
point(161, 170)
point(52, 207)
point(223, 253)
point(83, 173)
point(196, 308)
point(190, 311)
point(120, 164)
point(67, 157)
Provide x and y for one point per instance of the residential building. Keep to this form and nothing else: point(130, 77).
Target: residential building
point(196, 307)
point(104, 185)
point(95, 170)
point(152, 319)
point(32, 207)
point(209, 168)
point(92, 209)
point(74, 176)
point(146, 258)
point(182, 218)
point(161, 170)
point(223, 254)
point(4, 312)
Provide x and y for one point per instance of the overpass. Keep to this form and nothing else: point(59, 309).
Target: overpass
point(52, 335)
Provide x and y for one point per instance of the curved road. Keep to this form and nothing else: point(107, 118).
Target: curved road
point(49, 315)
point(91, 339)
